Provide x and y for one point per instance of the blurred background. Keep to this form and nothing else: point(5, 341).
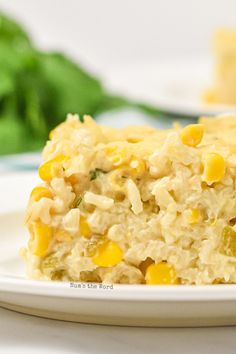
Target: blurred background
point(123, 62)
point(108, 34)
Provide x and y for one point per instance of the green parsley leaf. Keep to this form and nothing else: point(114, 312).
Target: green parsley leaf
point(78, 201)
point(95, 173)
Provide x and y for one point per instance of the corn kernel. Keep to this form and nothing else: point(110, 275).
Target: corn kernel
point(192, 134)
point(84, 227)
point(214, 168)
point(117, 159)
point(52, 168)
point(116, 180)
point(117, 155)
point(137, 167)
point(110, 149)
point(40, 192)
point(42, 235)
point(161, 274)
point(51, 134)
point(194, 216)
point(108, 255)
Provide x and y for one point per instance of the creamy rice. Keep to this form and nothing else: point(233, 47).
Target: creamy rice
point(136, 188)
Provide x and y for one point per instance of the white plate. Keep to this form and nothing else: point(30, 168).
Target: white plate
point(23, 161)
point(174, 86)
point(122, 305)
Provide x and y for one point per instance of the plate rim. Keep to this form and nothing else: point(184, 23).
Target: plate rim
point(133, 292)
point(165, 103)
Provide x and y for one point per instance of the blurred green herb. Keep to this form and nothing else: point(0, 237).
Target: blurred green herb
point(78, 201)
point(95, 173)
point(38, 89)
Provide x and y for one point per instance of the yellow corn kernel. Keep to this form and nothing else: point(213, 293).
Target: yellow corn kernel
point(137, 167)
point(117, 179)
point(42, 235)
point(117, 159)
point(161, 274)
point(84, 227)
point(108, 255)
point(51, 168)
point(214, 168)
point(117, 155)
point(194, 216)
point(40, 192)
point(192, 134)
point(51, 134)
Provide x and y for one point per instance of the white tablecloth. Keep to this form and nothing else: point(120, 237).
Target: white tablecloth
point(23, 334)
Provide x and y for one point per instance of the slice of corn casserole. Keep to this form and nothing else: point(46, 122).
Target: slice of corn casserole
point(224, 89)
point(135, 205)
